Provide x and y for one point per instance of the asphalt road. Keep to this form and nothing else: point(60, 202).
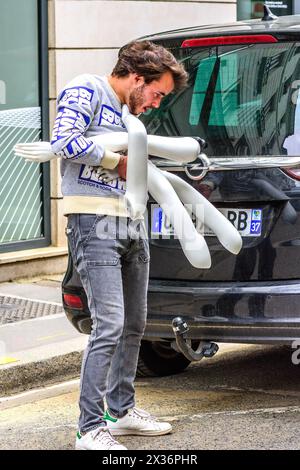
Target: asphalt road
point(246, 397)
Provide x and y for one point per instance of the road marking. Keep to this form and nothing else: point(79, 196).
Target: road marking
point(7, 360)
point(292, 393)
point(278, 410)
point(56, 335)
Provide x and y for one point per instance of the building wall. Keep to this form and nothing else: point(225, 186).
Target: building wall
point(85, 35)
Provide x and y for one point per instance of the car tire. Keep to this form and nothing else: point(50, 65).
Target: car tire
point(158, 358)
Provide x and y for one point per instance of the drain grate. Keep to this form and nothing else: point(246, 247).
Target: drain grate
point(14, 309)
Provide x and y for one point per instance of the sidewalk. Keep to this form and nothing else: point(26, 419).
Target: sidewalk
point(38, 345)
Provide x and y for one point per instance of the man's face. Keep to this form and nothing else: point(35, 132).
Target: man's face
point(147, 96)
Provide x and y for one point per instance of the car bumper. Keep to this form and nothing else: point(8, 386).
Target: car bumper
point(254, 312)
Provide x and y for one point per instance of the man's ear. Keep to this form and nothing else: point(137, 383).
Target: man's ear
point(139, 79)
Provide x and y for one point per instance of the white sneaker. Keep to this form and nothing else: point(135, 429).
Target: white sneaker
point(137, 423)
point(97, 439)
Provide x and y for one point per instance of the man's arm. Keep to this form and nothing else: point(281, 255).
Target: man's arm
point(76, 107)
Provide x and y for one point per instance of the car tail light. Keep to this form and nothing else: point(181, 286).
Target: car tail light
point(227, 40)
point(73, 300)
point(293, 173)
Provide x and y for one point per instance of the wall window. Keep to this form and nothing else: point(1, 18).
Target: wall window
point(251, 9)
point(23, 206)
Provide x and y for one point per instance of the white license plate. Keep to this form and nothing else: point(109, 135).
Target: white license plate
point(247, 221)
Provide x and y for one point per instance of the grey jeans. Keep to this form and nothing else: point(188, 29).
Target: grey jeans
point(114, 267)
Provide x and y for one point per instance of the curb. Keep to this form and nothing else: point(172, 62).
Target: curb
point(38, 373)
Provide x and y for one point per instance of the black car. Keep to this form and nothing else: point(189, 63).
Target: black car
point(243, 100)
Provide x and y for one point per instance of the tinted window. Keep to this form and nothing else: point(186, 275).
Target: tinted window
point(242, 99)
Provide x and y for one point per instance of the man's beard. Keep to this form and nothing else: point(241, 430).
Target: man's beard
point(136, 99)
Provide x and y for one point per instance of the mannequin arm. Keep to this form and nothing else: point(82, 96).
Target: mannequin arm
point(193, 244)
point(212, 218)
point(179, 149)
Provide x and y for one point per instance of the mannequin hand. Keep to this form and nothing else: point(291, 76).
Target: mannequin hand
point(38, 152)
point(122, 167)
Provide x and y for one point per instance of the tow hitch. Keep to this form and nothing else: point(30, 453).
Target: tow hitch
point(205, 348)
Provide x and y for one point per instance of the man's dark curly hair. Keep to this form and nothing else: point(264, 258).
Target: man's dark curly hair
point(150, 61)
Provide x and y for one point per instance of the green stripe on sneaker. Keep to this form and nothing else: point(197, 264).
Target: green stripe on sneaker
point(79, 435)
point(107, 417)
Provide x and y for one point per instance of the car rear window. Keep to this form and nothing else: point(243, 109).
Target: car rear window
point(242, 99)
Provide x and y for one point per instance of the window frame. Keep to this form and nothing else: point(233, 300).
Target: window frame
point(43, 74)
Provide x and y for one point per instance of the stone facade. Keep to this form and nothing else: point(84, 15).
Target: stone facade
point(85, 35)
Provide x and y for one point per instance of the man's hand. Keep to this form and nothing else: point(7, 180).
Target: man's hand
point(107, 176)
point(122, 167)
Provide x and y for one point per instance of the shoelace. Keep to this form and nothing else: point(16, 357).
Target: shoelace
point(102, 434)
point(143, 414)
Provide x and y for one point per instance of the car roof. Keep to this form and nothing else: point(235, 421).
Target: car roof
point(283, 24)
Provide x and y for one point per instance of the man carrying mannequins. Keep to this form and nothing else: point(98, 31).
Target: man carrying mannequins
point(113, 268)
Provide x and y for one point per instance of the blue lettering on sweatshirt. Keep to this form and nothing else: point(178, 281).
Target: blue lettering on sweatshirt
point(78, 94)
point(90, 175)
point(111, 116)
point(68, 121)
